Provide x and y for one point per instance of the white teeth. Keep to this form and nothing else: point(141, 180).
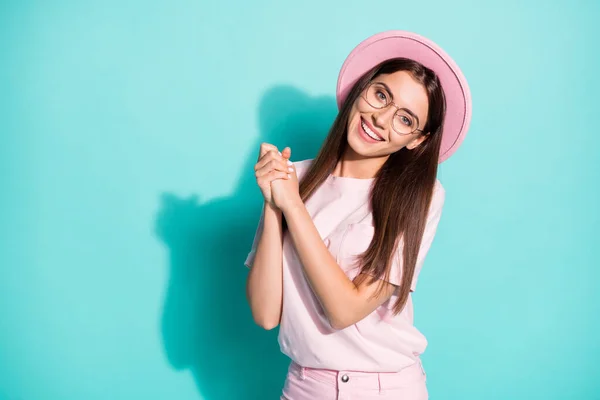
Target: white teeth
point(369, 132)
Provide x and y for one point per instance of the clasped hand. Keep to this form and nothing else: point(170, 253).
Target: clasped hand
point(276, 178)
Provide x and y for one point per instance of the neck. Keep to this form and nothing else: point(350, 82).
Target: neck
point(353, 165)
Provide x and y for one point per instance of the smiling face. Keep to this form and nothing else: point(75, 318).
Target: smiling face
point(378, 132)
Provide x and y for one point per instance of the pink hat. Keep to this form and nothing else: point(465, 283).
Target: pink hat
point(394, 44)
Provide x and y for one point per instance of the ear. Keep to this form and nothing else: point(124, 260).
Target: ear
point(413, 144)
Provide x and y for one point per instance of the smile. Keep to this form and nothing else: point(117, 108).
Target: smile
point(370, 132)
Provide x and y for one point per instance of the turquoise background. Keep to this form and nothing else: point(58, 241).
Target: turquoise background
point(129, 130)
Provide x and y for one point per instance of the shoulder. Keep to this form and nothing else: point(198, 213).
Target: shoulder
point(302, 167)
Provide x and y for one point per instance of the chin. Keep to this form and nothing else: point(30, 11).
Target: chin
point(361, 149)
point(358, 147)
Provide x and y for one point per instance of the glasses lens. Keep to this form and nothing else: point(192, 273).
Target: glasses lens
point(377, 96)
point(404, 123)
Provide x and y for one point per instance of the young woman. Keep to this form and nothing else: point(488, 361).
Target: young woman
point(342, 237)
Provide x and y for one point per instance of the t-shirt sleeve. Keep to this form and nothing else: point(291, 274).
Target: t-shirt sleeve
point(301, 167)
point(433, 218)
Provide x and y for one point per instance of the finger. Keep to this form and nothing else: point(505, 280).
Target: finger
point(270, 156)
point(292, 171)
point(286, 153)
point(265, 148)
point(272, 176)
point(274, 165)
point(266, 159)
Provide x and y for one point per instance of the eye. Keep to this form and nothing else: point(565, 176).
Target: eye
point(404, 122)
point(381, 95)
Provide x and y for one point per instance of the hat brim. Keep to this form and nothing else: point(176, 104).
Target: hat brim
point(395, 44)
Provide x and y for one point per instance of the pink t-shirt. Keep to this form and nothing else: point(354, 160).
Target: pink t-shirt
point(381, 342)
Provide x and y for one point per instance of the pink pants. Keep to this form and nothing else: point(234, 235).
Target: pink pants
point(320, 384)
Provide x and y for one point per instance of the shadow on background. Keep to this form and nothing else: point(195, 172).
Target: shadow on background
point(206, 323)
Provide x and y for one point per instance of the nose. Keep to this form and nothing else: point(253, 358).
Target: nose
point(382, 118)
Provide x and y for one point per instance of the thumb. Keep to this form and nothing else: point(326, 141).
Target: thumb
point(286, 153)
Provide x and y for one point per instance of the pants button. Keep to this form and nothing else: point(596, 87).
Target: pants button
point(345, 378)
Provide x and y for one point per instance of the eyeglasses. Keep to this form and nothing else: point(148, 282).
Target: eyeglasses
point(404, 121)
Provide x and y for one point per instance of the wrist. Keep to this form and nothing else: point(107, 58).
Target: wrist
point(293, 206)
point(270, 207)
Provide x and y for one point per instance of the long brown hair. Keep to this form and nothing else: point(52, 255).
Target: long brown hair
point(403, 186)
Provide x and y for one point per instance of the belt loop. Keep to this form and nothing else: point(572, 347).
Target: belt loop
point(302, 375)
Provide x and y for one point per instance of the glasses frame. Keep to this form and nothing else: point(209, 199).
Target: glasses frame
point(391, 103)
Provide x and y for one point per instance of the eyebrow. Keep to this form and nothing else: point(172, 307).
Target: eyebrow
point(387, 88)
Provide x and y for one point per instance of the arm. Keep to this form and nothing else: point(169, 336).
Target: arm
point(344, 302)
point(264, 286)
